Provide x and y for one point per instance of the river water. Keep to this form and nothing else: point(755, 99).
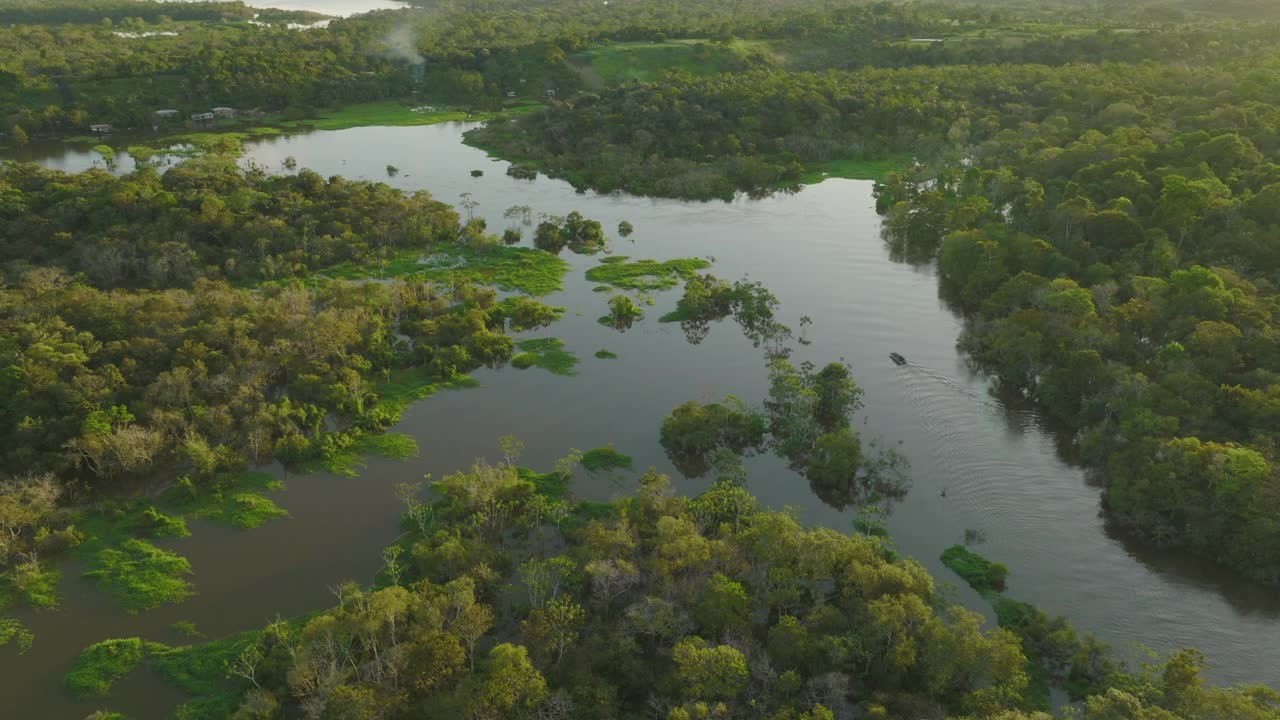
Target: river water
point(976, 461)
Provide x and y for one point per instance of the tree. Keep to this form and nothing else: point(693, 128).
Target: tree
point(709, 673)
point(723, 605)
point(548, 238)
point(554, 626)
point(509, 687)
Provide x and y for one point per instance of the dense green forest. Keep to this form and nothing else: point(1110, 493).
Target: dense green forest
point(506, 598)
point(1111, 226)
point(171, 325)
point(1097, 182)
point(67, 64)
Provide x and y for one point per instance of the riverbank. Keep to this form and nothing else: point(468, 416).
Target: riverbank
point(226, 134)
point(821, 253)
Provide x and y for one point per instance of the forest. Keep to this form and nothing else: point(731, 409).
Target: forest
point(1097, 185)
point(1113, 233)
point(507, 598)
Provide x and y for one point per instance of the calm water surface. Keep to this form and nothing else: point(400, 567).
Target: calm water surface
point(976, 462)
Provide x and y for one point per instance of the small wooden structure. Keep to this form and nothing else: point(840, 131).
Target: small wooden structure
point(166, 113)
point(224, 112)
point(100, 129)
point(202, 116)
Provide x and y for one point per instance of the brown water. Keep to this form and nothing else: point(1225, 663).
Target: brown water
point(976, 461)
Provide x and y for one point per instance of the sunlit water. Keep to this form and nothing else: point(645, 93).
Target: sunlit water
point(976, 463)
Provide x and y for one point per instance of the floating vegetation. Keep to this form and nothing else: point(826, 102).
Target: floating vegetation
point(101, 665)
point(645, 274)
point(140, 575)
point(12, 631)
point(237, 500)
point(981, 574)
point(31, 584)
point(349, 460)
point(406, 387)
point(508, 268)
point(606, 355)
point(188, 628)
point(546, 353)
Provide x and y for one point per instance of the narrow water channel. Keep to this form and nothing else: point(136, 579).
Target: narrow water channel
point(976, 462)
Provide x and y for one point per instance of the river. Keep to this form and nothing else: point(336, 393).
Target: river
point(976, 462)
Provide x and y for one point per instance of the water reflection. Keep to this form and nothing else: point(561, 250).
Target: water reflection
point(979, 459)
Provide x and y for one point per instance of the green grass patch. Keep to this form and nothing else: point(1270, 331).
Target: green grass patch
point(986, 577)
point(393, 113)
point(140, 575)
point(200, 671)
point(30, 584)
point(406, 387)
point(621, 62)
point(106, 152)
point(546, 353)
point(101, 665)
point(646, 274)
point(517, 269)
point(206, 143)
point(605, 459)
point(12, 631)
point(856, 169)
point(187, 628)
point(606, 355)
point(150, 522)
point(236, 500)
point(350, 461)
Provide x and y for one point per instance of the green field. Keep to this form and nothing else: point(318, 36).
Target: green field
point(856, 169)
point(393, 113)
point(621, 62)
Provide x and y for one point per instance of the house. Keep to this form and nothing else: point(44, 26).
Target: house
point(225, 113)
point(202, 117)
point(100, 129)
point(166, 114)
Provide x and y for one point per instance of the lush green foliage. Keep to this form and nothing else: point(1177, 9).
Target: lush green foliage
point(546, 353)
point(619, 272)
point(31, 584)
point(237, 500)
point(982, 575)
point(140, 575)
point(515, 601)
point(1112, 236)
point(1056, 654)
point(605, 459)
point(1121, 267)
point(507, 268)
point(101, 664)
point(206, 218)
point(12, 631)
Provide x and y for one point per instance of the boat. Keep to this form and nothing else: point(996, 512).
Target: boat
point(897, 359)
